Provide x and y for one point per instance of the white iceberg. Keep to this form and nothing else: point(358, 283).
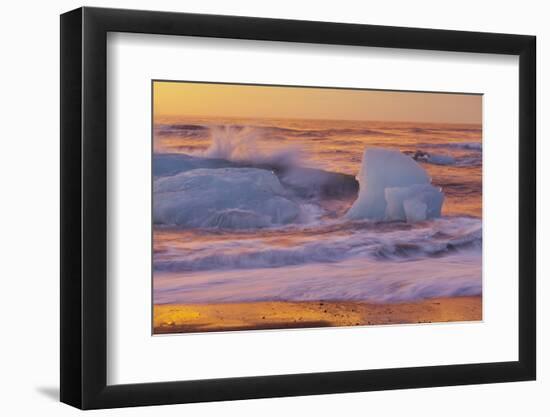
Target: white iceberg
point(235, 198)
point(414, 203)
point(392, 186)
point(171, 163)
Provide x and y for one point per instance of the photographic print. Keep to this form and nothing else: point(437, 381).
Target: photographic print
point(280, 207)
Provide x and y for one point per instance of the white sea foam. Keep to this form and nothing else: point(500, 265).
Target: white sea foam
point(377, 262)
point(337, 242)
point(350, 279)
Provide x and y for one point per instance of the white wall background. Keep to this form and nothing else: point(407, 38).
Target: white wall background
point(29, 226)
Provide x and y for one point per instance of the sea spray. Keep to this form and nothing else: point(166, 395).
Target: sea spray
point(244, 145)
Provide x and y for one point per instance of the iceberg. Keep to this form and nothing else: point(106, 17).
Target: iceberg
point(392, 186)
point(311, 182)
point(233, 198)
point(414, 203)
point(172, 163)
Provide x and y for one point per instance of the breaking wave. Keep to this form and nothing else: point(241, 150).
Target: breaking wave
point(431, 239)
point(237, 144)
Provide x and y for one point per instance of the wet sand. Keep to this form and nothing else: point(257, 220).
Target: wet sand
point(196, 318)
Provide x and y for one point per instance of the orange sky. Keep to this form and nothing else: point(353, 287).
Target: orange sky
point(244, 101)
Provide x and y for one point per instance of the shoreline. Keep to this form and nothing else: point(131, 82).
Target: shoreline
point(265, 315)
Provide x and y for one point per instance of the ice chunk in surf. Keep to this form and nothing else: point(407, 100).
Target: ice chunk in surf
point(392, 186)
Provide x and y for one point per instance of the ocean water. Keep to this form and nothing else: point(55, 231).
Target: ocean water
point(302, 173)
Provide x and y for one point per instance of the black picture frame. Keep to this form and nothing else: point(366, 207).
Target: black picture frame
point(84, 207)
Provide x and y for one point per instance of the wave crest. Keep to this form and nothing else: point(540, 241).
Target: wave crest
point(242, 145)
point(430, 239)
